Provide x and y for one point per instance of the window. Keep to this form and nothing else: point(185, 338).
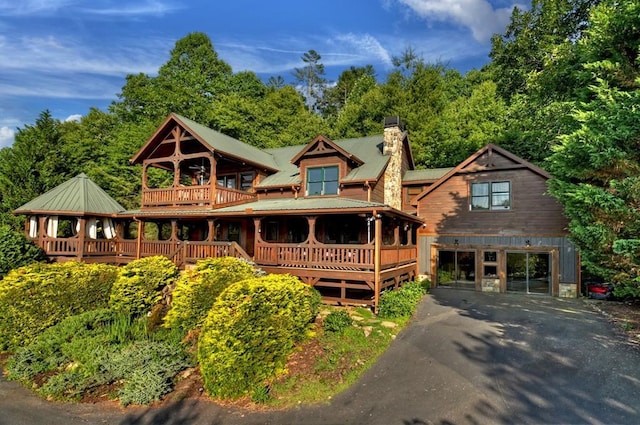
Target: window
point(491, 196)
point(246, 181)
point(228, 181)
point(322, 181)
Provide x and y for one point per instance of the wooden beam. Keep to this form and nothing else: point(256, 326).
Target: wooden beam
point(376, 260)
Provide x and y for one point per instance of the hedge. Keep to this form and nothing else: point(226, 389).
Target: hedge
point(37, 296)
point(197, 289)
point(17, 251)
point(251, 330)
point(139, 284)
point(401, 302)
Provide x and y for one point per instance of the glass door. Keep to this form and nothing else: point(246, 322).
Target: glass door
point(529, 272)
point(456, 268)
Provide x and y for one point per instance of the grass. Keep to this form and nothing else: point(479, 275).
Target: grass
point(332, 361)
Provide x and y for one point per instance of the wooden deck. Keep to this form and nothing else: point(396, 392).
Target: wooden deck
point(344, 274)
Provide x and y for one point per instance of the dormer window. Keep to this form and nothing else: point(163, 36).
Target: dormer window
point(322, 181)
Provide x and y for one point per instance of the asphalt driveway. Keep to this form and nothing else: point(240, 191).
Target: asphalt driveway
point(466, 358)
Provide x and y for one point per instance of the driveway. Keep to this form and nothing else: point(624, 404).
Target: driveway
point(466, 358)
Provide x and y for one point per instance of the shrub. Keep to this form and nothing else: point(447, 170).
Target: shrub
point(197, 289)
point(251, 330)
point(139, 284)
point(401, 302)
point(337, 321)
point(98, 348)
point(17, 251)
point(37, 296)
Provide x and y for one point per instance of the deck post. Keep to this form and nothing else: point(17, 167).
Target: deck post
point(376, 261)
point(139, 238)
point(81, 235)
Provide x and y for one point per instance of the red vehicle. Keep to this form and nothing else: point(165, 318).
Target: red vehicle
point(599, 290)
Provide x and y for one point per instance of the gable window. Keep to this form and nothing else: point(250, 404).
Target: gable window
point(490, 196)
point(322, 181)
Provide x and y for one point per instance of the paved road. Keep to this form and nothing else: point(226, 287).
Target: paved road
point(466, 358)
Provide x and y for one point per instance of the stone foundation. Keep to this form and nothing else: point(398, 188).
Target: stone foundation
point(490, 285)
point(568, 290)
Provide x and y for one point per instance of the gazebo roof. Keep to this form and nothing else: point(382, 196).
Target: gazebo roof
point(77, 196)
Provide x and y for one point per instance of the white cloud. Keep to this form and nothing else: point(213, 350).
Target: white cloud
point(7, 136)
point(54, 54)
point(146, 8)
point(100, 8)
point(477, 15)
point(32, 7)
point(73, 118)
point(367, 46)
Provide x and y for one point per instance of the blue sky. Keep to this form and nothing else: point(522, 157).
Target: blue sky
point(69, 55)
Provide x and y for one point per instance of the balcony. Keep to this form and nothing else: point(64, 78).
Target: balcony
point(194, 196)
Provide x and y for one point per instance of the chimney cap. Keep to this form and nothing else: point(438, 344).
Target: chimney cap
point(393, 121)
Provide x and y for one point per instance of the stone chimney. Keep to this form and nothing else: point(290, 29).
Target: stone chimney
point(394, 135)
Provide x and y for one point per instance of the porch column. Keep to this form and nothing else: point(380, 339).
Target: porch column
point(213, 180)
point(396, 234)
point(376, 261)
point(41, 231)
point(139, 239)
point(212, 229)
point(258, 229)
point(409, 231)
point(81, 235)
point(312, 229)
point(174, 230)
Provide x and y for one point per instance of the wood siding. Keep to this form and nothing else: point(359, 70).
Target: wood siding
point(446, 209)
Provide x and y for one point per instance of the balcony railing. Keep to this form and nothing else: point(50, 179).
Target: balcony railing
point(194, 196)
point(332, 256)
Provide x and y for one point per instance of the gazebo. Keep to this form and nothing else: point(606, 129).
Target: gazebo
point(73, 220)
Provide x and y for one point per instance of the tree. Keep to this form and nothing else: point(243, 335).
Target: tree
point(529, 44)
point(596, 167)
point(34, 164)
point(275, 83)
point(311, 77)
point(16, 251)
point(187, 84)
point(336, 97)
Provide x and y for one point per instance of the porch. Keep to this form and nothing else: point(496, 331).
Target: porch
point(344, 274)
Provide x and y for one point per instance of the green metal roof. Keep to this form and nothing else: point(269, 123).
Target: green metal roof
point(79, 196)
point(228, 145)
point(368, 149)
point(290, 204)
point(430, 174)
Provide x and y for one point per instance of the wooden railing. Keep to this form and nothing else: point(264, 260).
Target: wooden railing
point(227, 196)
point(60, 247)
point(317, 256)
point(353, 257)
point(391, 256)
point(194, 195)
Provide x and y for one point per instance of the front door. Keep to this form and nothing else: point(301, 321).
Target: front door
point(529, 272)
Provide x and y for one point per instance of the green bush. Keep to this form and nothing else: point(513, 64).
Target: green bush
point(401, 302)
point(96, 348)
point(139, 284)
point(337, 321)
point(197, 289)
point(37, 296)
point(251, 330)
point(17, 251)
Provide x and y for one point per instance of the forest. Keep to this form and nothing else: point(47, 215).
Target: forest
point(561, 89)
